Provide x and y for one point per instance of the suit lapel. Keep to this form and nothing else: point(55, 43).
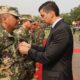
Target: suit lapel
point(52, 31)
point(49, 37)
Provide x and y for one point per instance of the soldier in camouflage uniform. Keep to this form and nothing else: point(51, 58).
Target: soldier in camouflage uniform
point(28, 67)
point(22, 33)
point(37, 38)
point(12, 64)
point(9, 21)
point(39, 32)
point(33, 31)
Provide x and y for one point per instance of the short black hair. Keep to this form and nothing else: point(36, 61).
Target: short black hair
point(50, 6)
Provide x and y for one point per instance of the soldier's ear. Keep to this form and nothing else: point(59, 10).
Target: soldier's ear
point(4, 18)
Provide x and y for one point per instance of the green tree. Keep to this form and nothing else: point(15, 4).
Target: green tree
point(75, 13)
point(67, 18)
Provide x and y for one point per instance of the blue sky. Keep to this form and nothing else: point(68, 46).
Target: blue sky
point(31, 6)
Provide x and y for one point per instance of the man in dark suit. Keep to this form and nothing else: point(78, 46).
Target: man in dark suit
point(56, 56)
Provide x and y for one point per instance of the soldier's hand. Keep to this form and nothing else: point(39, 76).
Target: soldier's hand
point(24, 47)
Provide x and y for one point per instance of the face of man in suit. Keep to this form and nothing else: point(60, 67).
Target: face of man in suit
point(48, 17)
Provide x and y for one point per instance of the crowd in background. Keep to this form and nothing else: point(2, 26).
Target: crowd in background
point(76, 27)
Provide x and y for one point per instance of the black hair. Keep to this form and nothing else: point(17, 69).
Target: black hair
point(50, 6)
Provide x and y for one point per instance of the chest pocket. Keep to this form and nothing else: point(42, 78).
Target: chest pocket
point(6, 41)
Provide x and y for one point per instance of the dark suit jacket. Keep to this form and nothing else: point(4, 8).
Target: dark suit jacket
point(56, 56)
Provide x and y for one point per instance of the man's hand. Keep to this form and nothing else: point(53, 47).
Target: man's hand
point(24, 47)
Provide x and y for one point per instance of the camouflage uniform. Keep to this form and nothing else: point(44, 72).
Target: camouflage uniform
point(33, 36)
point(22, 34)
point(27, 65)
point(12, 64)
point(39, 34)
point(7, 56)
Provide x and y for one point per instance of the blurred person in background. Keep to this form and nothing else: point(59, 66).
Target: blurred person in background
point(23, 34)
